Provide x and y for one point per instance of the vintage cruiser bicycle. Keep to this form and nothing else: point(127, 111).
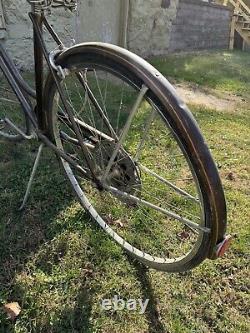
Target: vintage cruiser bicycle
point(131, 149)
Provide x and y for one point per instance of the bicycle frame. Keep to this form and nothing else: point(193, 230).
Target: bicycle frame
point(22, 90)
point(37, 118)
point(36, 115)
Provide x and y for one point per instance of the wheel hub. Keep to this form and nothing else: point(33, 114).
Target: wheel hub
point(123, 174)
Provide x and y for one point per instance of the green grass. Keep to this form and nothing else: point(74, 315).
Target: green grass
point(58, 265)
point(223, 71)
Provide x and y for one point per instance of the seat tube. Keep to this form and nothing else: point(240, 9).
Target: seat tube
point(39, 75)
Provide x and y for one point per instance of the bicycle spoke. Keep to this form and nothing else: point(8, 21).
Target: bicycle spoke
point(158, 208)
point(8, 100)
point(174, 187)
point(120, 108)
point(126, 128)
point(102, 112)
point(162, 202)
point(145, 135)
point(145, 194)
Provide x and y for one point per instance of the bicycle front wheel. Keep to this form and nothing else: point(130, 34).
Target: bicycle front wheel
point(158, 192)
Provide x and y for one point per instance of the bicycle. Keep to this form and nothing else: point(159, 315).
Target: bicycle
point(131, 149)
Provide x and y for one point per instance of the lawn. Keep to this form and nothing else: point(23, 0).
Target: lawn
point(223, 72)
point(58, 265)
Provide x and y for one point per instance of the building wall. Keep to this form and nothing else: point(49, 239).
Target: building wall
point(200, 25)
point(155, 27)
point(95, 20)
point(99, 20)
point(150, 26)
point(18, 36)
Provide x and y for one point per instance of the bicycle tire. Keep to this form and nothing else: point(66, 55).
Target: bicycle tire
point(133, 69)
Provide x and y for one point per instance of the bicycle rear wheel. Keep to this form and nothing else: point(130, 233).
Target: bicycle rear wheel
point(160, 196)
point(10, 112)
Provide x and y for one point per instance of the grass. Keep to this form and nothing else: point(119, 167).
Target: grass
point(58, 265)
point(222, 71)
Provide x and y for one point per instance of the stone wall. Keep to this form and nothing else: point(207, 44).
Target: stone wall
point(200, 25)
point(150, 26)
point(18, 36)
point(155, 27)
point(99, 20)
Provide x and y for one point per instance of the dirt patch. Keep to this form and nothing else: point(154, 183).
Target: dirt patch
point(194, 94)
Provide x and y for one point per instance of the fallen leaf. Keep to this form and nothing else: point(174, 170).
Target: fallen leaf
point(88, 270)
point(183, 235)
point(231, 176)
point(12, 309)
point(119, 223)
point(110, 220)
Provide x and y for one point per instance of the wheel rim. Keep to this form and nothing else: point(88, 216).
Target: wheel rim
point(187, 231)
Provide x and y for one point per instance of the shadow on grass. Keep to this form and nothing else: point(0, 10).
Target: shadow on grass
point(34, 243)
point(78, 319)
point(155, 324)
point(22, 233)
point(35, 234)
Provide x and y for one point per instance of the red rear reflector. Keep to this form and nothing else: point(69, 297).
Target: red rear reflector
point(223, 246)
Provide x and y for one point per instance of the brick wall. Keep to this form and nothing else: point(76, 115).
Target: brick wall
point(200, 25)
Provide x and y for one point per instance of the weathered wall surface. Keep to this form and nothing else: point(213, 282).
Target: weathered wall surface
point(18, 36)
point(155, 27)
point(99, 20)
point(150, 26)
point(200, 25)
point(96, 20)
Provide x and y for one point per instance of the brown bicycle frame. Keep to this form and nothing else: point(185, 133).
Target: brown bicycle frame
point(36, 115)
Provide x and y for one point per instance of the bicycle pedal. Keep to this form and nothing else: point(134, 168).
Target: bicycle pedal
point(223, 246)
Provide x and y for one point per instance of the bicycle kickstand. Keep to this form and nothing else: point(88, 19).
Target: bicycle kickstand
point(35, 166)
